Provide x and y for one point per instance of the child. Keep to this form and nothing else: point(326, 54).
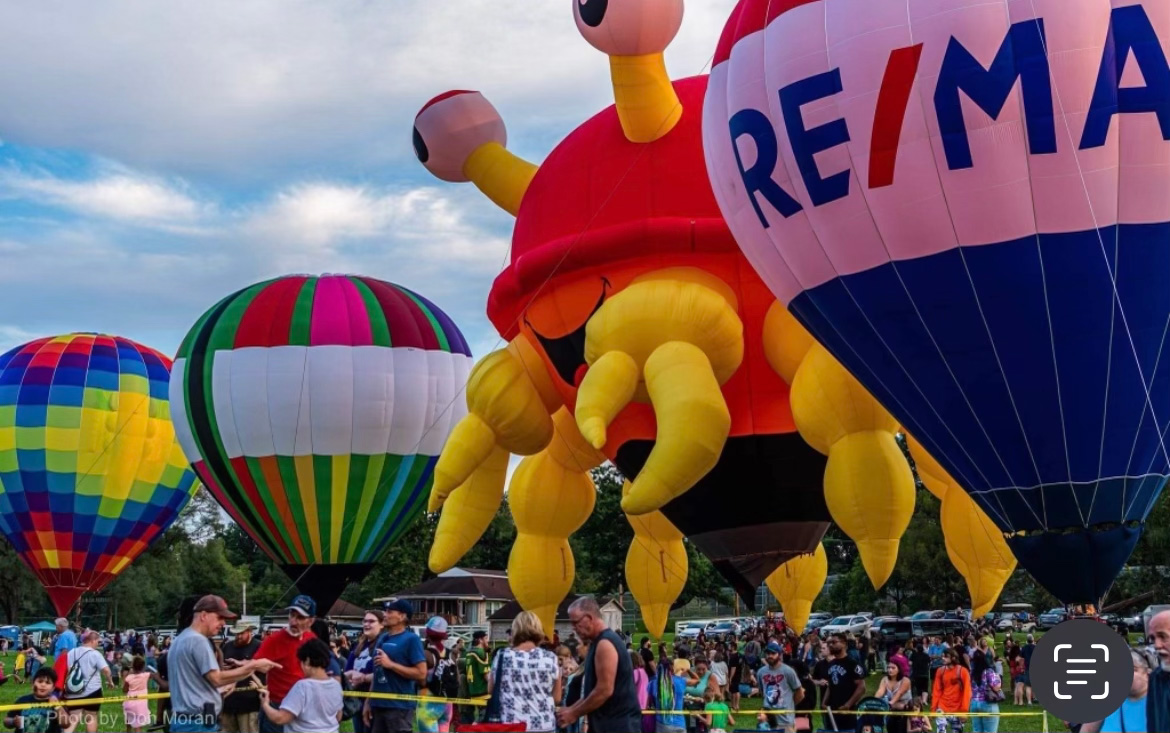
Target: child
point(137, 712)
point(39, 719)
point(716, 715)
point(762, 722)
point(314, 703)
point(918, 722)
point(17, 668)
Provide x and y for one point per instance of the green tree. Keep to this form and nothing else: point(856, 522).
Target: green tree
point(21, 594)
point(600, 546)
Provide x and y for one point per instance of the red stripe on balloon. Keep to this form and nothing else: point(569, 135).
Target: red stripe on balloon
point(244, 478)
point(267, 319)
point(408, 325)
point(891, 113)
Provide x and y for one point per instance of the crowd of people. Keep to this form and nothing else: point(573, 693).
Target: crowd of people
point(595, 681)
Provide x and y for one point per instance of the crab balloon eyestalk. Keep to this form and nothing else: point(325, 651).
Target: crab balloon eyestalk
point(634, 34)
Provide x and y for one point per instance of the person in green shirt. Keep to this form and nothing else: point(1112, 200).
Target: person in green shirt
point(475, 670)
point(716, 715)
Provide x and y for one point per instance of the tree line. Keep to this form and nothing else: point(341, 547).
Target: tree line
point(204, 553)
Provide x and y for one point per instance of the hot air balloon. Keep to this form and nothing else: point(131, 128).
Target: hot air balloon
point(628, 308)
point(314, 409)
point(970, 209)
point(90, 471)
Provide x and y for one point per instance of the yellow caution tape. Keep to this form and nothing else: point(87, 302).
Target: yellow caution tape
point(86, 701)
point(482, 701)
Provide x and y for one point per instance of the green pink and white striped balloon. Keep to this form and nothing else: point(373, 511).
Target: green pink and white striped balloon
point(314, 410)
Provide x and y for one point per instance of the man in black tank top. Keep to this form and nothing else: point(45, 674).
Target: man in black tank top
point(609, 698)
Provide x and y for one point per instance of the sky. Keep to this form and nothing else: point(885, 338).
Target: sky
point(155, 157)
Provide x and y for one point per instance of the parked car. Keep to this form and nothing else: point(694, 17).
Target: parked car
point(847, 625)
point(888, 630)
point(722, 630)
point(866, 614)
point(939, 627)
point(922, 615)
point(1051, 618)
point(691, 631)
point(817, 621)
point(1006, 622)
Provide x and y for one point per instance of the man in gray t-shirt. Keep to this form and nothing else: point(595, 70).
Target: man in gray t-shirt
point(194, 674)
point(780, 688)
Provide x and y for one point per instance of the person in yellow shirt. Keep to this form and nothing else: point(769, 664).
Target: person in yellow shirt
point(18, 668)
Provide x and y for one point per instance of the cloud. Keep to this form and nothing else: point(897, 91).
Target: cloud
point(246, 91)
point(129, 254)
point(121, 195)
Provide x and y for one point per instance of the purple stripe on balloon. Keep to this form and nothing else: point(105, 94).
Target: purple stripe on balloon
point(450, 330)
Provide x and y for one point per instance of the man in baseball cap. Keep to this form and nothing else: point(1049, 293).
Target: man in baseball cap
point(304, 606)
point(400, 605)
point(399, 666)
point(194, 673)
point(216, 605)
point(281, 646)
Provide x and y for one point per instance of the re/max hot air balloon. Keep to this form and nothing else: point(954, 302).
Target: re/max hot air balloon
point(314, 409)
point(968, 203)
point(637, 332)
point(90, 471)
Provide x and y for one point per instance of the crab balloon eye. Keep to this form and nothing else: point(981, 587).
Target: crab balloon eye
point(628, 27)
point(450, 127)
point(592, 12)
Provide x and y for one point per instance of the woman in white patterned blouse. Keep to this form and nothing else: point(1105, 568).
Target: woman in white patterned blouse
point(528, 677)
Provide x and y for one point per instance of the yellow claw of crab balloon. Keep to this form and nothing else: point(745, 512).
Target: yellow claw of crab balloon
point(550, 497)
point(468, 511)
point(797, 583)
point(976, 547)
point(870, 493)
point(869, 486)
point(934, 477)
point(693, 425)
point(656, 567)
point(785, 341)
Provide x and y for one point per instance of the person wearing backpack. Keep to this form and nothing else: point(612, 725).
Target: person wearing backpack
point(952, 687)
point(442, 680)
point(86, 666)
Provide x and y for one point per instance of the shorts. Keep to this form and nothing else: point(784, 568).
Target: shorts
point(95, 695)
point(1025, 678)
point(920, 685)
point(392, 720)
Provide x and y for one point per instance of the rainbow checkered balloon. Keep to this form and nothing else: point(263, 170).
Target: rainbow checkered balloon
point(314, 409)
point(90, 471)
